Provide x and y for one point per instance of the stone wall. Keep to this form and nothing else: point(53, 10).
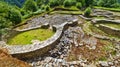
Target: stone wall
point(39, 49)
point(105, 21)
point(12, 33)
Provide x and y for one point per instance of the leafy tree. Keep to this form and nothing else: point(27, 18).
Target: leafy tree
point(4, 23)
point(82, 2)
point(54, 3)
point(61, 2)
point(89, 2)
point(116, 5)
point(79, 5)
point(87, 12)
point(39, 2)
point(68, 3)
point(100, 3)
point(15, 16)
point(47, 8)
point(30, 5)
point(108, 3)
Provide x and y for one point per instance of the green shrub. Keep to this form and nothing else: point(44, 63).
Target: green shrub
point(61, 2)
point(108, 3)
point(116, 5)
point(9, 14)
point(79, 5)
point(43, 7)
point(39, 2)
point(54, 3)
point(47, 8)
point(68, 3)
point(89, 3)
point(15, 16)
point(4, 23)
point(87, 12)
point(30, 5)
point(27, 16)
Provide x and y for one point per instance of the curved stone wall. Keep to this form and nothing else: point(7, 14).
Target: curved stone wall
point(39, 48)
point(12, 33)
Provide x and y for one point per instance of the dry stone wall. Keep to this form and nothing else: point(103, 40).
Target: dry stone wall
point(40, 48)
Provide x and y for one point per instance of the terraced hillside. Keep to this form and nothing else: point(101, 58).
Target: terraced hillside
point(63, 33)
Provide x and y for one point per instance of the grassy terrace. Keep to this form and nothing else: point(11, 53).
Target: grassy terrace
point(91, 29)
point(113, 25)
point(110, 9)
point(117, 26)
point(26, 37)
point(67, 12)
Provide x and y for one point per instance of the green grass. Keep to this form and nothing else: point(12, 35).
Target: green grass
point(110, 48)
point(110, 9)
point(103, 58)
point(90, 29)
point(117, 26)
point(26, 37)
point(67, 12)
point(94, 29)
point(72, 8)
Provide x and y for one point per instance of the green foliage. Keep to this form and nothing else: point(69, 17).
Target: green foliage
point(61, 2)
point(47, 8)
point(30, 5)
point(116, 5)
point(15, 16)
point(68, 3)
point(89, 3)
point(108, 3)
point(54, 3)
point(39, 2)
point(79, 5)
point(9, 15)
point(4, 23)
point(87, 12)
point(82, 2)
point(110, 9)
point(43, 7)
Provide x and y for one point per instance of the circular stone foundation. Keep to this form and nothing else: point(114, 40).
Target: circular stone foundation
point(28, 37)
point(39, 48)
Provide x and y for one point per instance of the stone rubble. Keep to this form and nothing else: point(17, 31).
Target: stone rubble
point(57, 56)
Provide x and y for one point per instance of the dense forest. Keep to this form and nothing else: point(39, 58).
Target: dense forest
point(15, 11)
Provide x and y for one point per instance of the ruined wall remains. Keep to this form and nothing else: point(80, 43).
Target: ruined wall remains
point(40, 48)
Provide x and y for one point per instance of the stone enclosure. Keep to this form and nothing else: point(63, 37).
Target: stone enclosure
point(39, 48)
